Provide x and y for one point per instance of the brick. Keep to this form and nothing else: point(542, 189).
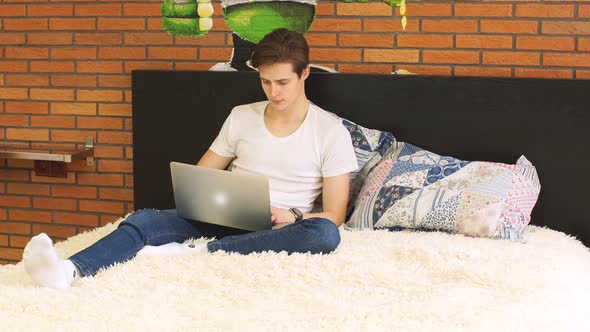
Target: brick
point(512, 26)
point(365, 40)
point(27, 107)
point(27, 134)
point(389, 25)
point(176, 53)
point(483, 10)
point(128, 124)
point(218, 54)
point(14, 120)
point(53, 121)
point(12, 38)
point(113, 137)
point(331, 54)
point(584, 11)
point(72, 24)
point(97, 179)
point(15, 228)
point(51, 94)
point(77, 136)
point(543, 73)
point(366, 9)
point(74, 191)
point(74, 53)
point(100, 123)
point(76, 219)
point(27, 80)
point(27, 189)
point(425, 40)
point(98, 38)
point(426, 10)
point(26, 24)
point(336, 25)
point(15, 201)
point(321, 39)
point(210, 39)
point(114, 81)
point(11, 254)
point(13, 10)
point(151, 38)
point(482, 71)
point(483, 41)
point(50, 10)
point(108, 219)
point(115, 166)
point(54, 231)
point(386, 55)
point(73, 108)
point(116, 194)
point(100, 95)
point(84, 81)
point(323, 9)
point(114, 109)
point(565, 27)
point(54, 203)
point(102, 206)
point(13, 66)
point(136, 65)
point(583, 44)
point(13, 175)
point(79, 165)
point(582, 74)
point(19, 241)
point(511, 58)
point(142, 10)
point(49, 38)
point(544, 43)
point(122, 53)
point(112, 67)
point(544, 10)
point(450, 57)
point(19, 163)
point(566, 59)
point(52, 66)
point(129, 180)
point(29, 215)
point(3, 240)
point(69, 179)
point(26, 53)
point(111, 152)
point(365, 68)
point(99, 10)
point(106, 24)
point(432, 25)
point(13, 93)
point(156, 24)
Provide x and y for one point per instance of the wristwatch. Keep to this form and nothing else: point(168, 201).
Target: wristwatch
point(297, 213)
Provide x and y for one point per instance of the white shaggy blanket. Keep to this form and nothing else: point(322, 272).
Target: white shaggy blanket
point(375, 281)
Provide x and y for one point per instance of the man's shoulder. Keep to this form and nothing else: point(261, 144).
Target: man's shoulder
point(326, 119)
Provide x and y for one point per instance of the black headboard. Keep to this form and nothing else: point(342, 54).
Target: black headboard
point(176, 116)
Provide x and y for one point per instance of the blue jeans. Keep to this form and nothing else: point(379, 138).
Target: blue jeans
point(153, 227)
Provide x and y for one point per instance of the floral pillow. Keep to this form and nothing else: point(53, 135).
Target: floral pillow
point(414, 188)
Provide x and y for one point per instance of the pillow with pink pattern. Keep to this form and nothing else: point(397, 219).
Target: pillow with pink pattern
point(417, 189)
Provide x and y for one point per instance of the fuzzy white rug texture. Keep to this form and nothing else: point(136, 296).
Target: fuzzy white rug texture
point(375, 281)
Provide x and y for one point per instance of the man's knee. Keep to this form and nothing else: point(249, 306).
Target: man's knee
point(143, 220)
point(326, 235)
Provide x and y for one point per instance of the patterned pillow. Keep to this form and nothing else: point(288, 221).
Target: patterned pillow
point(414, 188)
point(369, 146)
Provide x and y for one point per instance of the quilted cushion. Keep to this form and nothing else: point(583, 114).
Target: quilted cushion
point(414, 188)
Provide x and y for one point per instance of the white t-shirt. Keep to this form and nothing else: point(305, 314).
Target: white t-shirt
point(295, 164)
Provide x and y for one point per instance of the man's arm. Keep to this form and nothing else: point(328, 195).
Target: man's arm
point(213, 160)
point(334, 196)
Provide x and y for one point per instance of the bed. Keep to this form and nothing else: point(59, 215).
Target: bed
point(377, 280)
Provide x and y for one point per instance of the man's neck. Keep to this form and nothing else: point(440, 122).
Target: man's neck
point(296, 113)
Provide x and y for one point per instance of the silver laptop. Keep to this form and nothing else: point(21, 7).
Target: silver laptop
point(221, 197)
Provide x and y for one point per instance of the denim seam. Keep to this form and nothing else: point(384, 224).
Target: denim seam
point(167, 234)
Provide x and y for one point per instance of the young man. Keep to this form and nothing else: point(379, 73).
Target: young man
point(303, 150)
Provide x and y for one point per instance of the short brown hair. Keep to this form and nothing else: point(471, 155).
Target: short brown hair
point(279, 46)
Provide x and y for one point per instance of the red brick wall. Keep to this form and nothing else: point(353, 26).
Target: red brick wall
point(64, 76)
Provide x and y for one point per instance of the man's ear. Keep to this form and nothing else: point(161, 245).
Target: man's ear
point(305, 72)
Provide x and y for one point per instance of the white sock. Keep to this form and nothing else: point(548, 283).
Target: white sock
point(44, 266)
point(172, 249)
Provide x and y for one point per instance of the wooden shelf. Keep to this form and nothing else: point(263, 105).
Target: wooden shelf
point(50, 155)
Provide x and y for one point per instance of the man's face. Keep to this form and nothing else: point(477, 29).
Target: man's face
point(282, 86)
